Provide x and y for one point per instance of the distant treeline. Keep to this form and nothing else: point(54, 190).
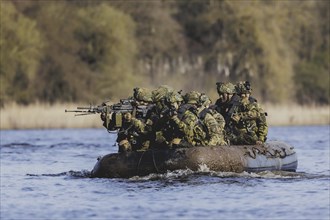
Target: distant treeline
point(86, 50)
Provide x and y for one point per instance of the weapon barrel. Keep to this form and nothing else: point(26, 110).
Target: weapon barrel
point(84, 107)
point(74, 110)
point(87, 113)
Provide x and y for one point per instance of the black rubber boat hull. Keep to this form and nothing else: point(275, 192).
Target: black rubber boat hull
point(273, 155)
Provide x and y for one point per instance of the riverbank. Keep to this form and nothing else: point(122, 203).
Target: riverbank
point(45, 116)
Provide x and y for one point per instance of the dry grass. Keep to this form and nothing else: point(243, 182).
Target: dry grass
point(43, 116)
point(297, 115)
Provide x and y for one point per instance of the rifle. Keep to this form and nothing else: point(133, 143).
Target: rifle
point(116, 111)
point(125, 105)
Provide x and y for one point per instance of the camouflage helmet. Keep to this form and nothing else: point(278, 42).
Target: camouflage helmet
point(192, 97)
point(225, 88)
point(174, 97)
point(161, 92)
point(243, 87)
point(142, 94)
point(204, 99)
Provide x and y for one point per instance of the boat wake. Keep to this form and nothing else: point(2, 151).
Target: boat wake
point(71, 174)
point(205, 171)
point(202, 171)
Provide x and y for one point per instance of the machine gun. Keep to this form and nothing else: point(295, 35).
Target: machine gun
point(125, 105)
point(112, 114)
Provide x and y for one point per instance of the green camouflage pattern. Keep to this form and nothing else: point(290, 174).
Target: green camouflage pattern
point(243, 87)
point(134, 131)
point(215, 132)
point(172, 97)
point(225, 88)
point(192, 97)
point(142, 95)
point(204, 100)
point(169, 123)
point(189, 126)
point(161, 92)
point(249, 124)
point(219, 118)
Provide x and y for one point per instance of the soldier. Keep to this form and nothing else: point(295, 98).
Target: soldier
point(130, 125)
point(142, 102)
point(188, 122)
point(138, 105)
point(157, 119)
point(206, 102)
point(131, 133)
point(198, 123)
point(247, 85)
point(248, 120)
point(227, 99)
point(173, 131)
point(213, 122)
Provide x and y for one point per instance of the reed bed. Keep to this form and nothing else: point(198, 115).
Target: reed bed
point(45, 116)
point(297, 115)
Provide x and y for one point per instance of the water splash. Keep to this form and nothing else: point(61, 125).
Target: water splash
point(176, 174)
point(203, 168)
point(205, 171)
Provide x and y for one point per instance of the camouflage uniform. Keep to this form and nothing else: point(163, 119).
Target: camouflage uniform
point(142, 95)
point(248, 121)
point(162, 130)
point(224, 106)
point(188, 121)
point(142, 101)
point(132, 134)
point(213, 123)
point(170, 128)
point(218, 117)
point(178, 129)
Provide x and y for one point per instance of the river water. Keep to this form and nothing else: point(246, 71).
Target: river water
point(44, 175)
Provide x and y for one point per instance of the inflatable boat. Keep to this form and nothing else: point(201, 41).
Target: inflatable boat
point(273, 155)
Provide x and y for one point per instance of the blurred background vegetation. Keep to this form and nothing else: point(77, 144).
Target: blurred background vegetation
point(90, 51)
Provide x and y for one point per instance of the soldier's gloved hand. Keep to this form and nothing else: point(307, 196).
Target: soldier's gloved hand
point(223, 143)
point(235, 118)
point(172, 113)
point(175, 119)
point(149, 122)
point(165, 111)
point(259, 142)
